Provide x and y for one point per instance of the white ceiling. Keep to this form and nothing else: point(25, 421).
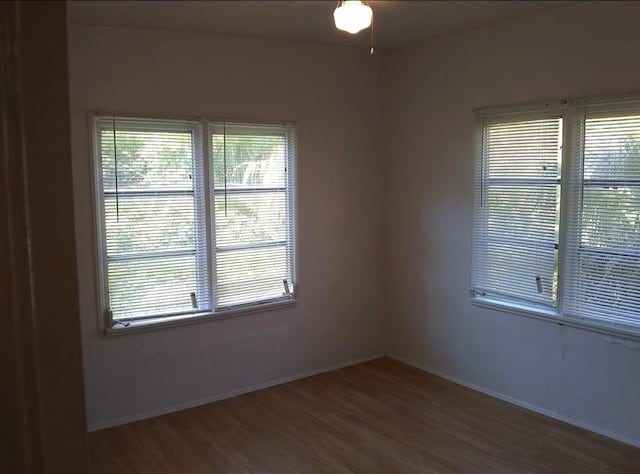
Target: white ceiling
point(396, 22)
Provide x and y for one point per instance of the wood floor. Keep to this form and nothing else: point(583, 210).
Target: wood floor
point(377, 417)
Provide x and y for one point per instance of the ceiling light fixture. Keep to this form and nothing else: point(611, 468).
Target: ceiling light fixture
point(352, 16)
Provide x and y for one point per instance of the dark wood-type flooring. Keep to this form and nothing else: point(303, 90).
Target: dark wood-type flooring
point(378, 417)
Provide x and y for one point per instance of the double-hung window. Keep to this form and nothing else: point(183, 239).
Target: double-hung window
point(194, 218)
point(603, 249)
point(252, 203)
point(518, 196)
point(557, 213)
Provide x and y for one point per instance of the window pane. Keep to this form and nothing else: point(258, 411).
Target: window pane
point(152, 287)
point(524, 149)
point(523, 212)
point(146, 159)
point(611, 218)
point(251, 275)
point(250, 218)
point(148, 223)
point(250, 160)
point(609, 286)
point(612, 148)
point(511, 268)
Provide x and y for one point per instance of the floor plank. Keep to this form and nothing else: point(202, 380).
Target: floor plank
point(378, 417)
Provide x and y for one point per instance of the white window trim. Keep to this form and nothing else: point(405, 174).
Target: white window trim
point(202, 132)
point(554, 317)
point(569, 110)
point(150, 324)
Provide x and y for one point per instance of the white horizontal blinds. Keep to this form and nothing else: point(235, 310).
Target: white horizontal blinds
point(253, 213)
point(517, 206)
point(605, 228)
point(152, 202)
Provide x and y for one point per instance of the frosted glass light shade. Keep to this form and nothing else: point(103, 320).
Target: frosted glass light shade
point(352, 16)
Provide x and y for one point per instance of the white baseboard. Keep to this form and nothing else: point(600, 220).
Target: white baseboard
point(233, 393)
point(520, 403)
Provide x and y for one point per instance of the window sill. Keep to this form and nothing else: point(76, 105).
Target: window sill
point(152, 324)
point(551, 316)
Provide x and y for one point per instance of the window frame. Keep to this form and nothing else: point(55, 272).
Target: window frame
point(572, 113)
point(204, 189)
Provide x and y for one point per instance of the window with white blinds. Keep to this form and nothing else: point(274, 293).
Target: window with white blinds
point(253, 206)
point(517, 207)
point(581, 265)
point(181, 234)
point(604, 250)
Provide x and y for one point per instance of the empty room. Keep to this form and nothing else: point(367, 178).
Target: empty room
point(320, 237)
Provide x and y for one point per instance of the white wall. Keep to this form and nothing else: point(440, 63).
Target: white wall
point(583, 49)
point(339, 315)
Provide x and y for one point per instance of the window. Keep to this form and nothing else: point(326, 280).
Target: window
point(517, 238)
point(557, 213)
point(194, 218)
point(604, 252)
point(252, 208)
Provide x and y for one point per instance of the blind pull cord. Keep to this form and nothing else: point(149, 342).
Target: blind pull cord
point(115, 165)
point(583, 137)
point(224, 159)
point(371, 51)
point(482, 164)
